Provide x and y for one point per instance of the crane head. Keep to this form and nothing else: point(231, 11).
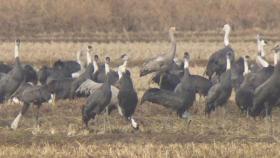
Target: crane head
point(187, 55)
point(124, 57)
point(247, 57)
point(107, 60)
point(172, 29)
point(263, 42)
point(258, 37)
point(226, 28)
point(96, 58)
point(17, 42)
point(89, 47)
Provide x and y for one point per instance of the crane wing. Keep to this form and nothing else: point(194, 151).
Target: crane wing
point(89, 86)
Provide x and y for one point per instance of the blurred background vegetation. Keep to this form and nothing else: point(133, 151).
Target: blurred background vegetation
point(84, 17)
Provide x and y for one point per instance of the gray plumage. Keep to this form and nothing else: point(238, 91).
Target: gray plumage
point(165, 98)
point(186, 88)
point(220, 92)
point(244, 95)
point(170, 78)
point(5, 68)
point(69, 66)
point(31, 95)
point(217, 61)
point(10, 82)
point(163, 62)
point(89, 87)
point(47, 73)
point(237, 71)
point(267, 94)
point(82, 78)
point(127, 96)
point(99, 99)
point(61, 88)
point(180, 100)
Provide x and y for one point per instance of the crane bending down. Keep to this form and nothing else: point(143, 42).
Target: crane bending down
point(162, 62)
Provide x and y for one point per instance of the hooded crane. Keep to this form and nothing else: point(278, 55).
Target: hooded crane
point(201, 84)
point(244, 95)
point(260, 59)
point(186, 87)
point(98, 100)
point(219, 93)
point(88, 87)
point(238, 68)
point(30, 74)
point(217, 61)
point(79, 61)
point(52, 73)
point(99, 75)
point(237, 72)
point(267, 94)
point(260, 73)
point(162, 62)
point(35, 95)
point(127, 96)
point(66, 87)
point(180, 100)
point(170, 78)
point(10, 82)
point(60, 71)
point(71, 66)
point(84, 76)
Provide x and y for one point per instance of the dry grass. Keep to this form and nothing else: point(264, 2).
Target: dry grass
point(46, 53)
point(30, 17)
point(148, 150)
point(161, 133)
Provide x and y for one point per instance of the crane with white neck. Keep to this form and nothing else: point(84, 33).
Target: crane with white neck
point(162, 62)
point(217, 61)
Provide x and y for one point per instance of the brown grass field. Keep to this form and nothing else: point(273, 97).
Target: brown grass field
point(161, 133)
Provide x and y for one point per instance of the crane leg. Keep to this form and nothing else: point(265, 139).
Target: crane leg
point(160, 79)
point(267, 111)
point(224, 111)
point(268, 118)
point(187, 115)
point(104, 123)
point(15, 123)
point(108, 122)
point(37, 116)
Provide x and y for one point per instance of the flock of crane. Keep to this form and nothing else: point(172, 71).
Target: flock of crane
point(256, 84)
